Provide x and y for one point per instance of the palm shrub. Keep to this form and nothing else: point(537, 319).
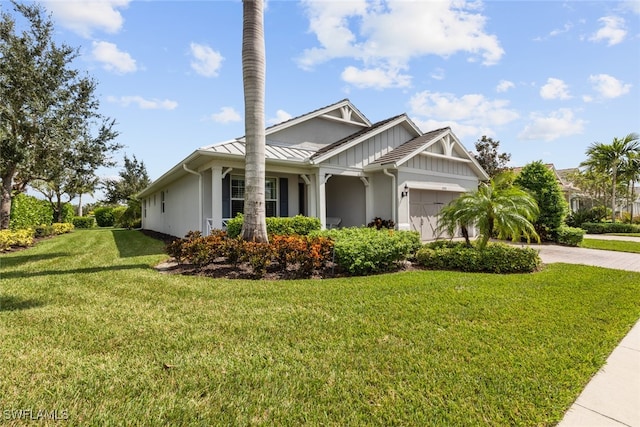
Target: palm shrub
point(541, 182)
point(497, 208)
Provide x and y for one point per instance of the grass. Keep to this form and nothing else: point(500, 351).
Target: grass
point(611, 245)
point(89, 328)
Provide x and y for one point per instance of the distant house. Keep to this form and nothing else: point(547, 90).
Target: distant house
point(331, 163)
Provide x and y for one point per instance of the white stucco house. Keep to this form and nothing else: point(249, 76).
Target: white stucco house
point(331, 163)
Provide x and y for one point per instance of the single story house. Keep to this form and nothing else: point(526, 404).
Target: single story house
point(331, 163)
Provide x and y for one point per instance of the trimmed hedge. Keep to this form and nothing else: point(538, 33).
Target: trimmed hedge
point(609, 227)
point(568, 236)
point(281, 226)
point(84, 222)
point(104, 216)
point(495, 258)
point(363, 250)
point(29, 212)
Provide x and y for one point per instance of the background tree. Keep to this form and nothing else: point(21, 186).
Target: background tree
point(133, 178)
point(631, 174)
point(541, 182)
point(45, 105)
point(254, 227)
point(488, 157)
point(609, 158)
point(495, 208)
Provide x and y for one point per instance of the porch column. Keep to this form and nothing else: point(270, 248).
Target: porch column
point(322, 198)
point(216, 196)
point(368, 199)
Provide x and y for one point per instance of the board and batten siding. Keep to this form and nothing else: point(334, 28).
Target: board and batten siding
point(371, 149)
point(180, 208)
point(440, 165)
point(318, 131)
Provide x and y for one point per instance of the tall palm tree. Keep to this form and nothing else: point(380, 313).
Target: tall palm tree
point(253, 77)
point(497, 207)
point(631, 172)
point(609, 158)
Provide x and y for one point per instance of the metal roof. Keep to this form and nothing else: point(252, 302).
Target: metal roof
point(272, 152)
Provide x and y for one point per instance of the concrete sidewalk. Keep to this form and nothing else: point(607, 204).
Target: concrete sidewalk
point(612, 397)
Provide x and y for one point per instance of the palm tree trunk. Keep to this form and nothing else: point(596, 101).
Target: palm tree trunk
point(613, 193)
point(253, 77)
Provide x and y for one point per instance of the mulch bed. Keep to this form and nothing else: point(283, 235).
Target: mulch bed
point(222, 270)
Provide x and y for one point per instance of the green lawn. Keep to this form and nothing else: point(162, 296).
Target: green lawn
point(611, 245)
point(87, 327)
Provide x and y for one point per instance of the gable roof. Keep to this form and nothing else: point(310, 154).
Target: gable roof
point(273, 151)
point(401, 154)
point(349, 141)
point(342, 111)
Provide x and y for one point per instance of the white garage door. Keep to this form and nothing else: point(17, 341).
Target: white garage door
point(424, 207)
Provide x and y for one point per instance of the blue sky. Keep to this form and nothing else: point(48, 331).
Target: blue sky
point(545, 78)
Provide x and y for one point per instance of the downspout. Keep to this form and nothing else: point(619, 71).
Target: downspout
point(199, 175)
point(394, 194)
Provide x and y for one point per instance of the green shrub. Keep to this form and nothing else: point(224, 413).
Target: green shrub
point(541, 182)
point(495, 258)
point(568, 236)
point(282, 226)
point(118, 212)
point(579, 217)
point(43, 230)
point(104, 216)
point(84, 222)
point(610, 227)
point(13, 238)
point(68, 212)
point(360, 251)
point(62, 227)
point(132, 215)
point(29, 212)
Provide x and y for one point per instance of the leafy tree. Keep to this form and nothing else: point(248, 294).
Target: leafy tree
point(45, 108)
point(133, 178)
point(541, 182)
point(496, 208)
point(489, 158)
point(254, 227)
point(609, 158)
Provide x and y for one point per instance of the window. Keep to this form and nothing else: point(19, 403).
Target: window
point(237, 196)
point(162, 201)
point(144, 208)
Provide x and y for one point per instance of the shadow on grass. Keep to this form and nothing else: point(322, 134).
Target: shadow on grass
point(8, 303)
point(12, 261)
point(89, 270)
point(131, 243)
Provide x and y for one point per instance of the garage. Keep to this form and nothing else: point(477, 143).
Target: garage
point(425, 202)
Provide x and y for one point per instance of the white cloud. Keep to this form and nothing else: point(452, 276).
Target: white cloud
point(206, 61)
point(377, 78)
point(555, 89)
point(438, 74)
point(632, 5)
point(608, 86)
point(144, 104)
point(388, 34)
point(558, 124)
point(504, 85)
point(565, 29)
point(612, 30)
point(226, 115)
point(113, 59)
point(471, 114)
point(86, 16)
point(281, 116)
